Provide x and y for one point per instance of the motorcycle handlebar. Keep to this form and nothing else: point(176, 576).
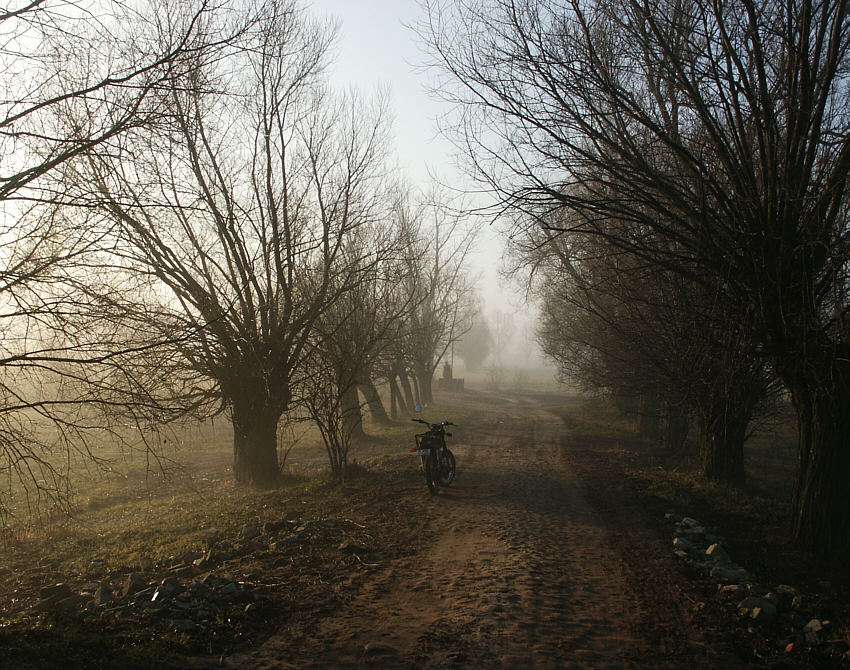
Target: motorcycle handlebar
point(444, 423)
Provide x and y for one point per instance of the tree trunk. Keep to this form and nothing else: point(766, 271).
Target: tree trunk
point(255, 460)
point(408, 391)
point(395, 399)
point(677, 424)
point(424, 375)
point(417, 396)
point(734, 383)
point(821, 504)
point(352, 416)
point(373, 399)
point(723, 431)
point(649, 417)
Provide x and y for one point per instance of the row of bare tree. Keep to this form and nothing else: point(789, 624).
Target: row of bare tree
point(194, 223)
point(678, 172)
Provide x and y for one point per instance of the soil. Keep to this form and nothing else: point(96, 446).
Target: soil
point(519, 564)
point(543, 553)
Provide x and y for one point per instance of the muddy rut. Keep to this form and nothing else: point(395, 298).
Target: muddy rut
point(519, 570)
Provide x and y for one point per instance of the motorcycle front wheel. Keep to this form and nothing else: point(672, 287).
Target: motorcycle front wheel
point(447, 468)
point(432, 473)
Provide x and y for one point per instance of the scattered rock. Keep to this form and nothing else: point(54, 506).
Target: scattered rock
point(812, 631)
point(729, 572)
point(759, 609)
point(786, 591)
point(352, 547)
point(682, 544)
point(272, 527)
point(173, 584)
point(145, 563)
point(375, 648)
point(718, 553)
point(230, 589)
point(89, 588)
point(249, 532)
point(815, 625)
point(169, 588)
point(730, 590)
point(55, 592)
point(184, 625)
point(103, 595)
point(59, 597)
point(98, 563)
point(206, 560)
point(211, 534)
point(251, 608)
point(202, 591)
point(763, 614)
point(135, 583)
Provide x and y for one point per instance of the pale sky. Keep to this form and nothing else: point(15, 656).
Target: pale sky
point(376, 49)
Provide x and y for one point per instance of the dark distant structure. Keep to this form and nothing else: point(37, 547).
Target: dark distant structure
point(447, 382)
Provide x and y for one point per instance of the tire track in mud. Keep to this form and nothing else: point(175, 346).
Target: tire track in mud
point(520, 571)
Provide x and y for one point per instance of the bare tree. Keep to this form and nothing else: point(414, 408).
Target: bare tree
point(349, 339)
point(59, 358)
point(443, 299)
point(720, 128)
point(237, 208)
point(616, 324)
point(104, 57)
point(477, 344)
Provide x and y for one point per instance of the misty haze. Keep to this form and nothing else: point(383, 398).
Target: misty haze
point(424, 334)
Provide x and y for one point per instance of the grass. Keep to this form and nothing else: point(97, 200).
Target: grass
point(671, 482)
point(87, 643)
point(130, 511)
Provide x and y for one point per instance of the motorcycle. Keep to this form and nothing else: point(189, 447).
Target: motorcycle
point(438, 462)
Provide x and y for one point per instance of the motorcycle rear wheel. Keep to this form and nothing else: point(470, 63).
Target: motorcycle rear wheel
point(447, 468)
point(432, 473)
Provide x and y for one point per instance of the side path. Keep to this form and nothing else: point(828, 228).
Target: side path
point(522, 572)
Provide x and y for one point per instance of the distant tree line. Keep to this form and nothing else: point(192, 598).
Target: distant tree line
point(677, 174)
point(194, 223)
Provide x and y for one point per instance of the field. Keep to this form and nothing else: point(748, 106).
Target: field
point(539, 472)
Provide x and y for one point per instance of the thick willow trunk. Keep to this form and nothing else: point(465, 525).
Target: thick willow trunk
point(649, 417)
point(255, 459)
point(352, 415)
point(424, 377)
point(373, 399)
point(395, 399)
point(821, 503)
point(723, 431)
point(724, 415)
point(408, 391)
point(676, 427)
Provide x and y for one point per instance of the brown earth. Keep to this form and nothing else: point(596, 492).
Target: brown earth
point(544, 553)
point(517, 567)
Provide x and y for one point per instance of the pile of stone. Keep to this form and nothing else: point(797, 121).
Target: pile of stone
point(184, 591)
point(781, 606)
point(184, 605)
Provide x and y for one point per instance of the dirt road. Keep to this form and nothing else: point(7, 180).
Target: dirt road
point(520, 572)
